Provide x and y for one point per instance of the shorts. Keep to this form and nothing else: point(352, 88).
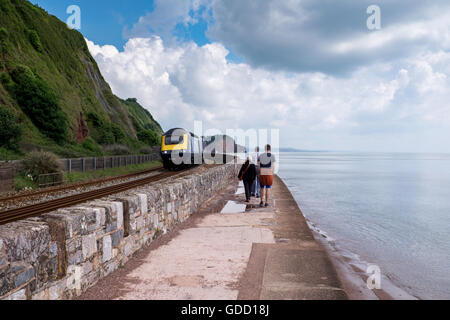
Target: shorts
point(266, 181)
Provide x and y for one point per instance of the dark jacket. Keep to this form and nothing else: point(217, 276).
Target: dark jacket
point(250, 174)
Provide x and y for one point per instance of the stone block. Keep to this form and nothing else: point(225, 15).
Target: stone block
point(73, 281)
point(75, 258)
point(155, 220)
point(89, 246)
point(41, 295)
point(139, 223)
point(119, 206)
point(128, 249)
point(116, 237)
point(87, 267)
point(111, 227)
point(73, 244)
point(19, 295)
point(143, 203)
point(101, 215)
point(54, 293)
point(23, 277)
point(107, 248)
point(25, 241)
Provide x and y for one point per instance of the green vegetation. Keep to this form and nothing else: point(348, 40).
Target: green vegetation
point(53, 87)
point(38, 102)
point(97, 174)
point(22, 182)
point(37, 163)
point(149, 137)
point(35, 40)
point(10, 131)
point(141, 118)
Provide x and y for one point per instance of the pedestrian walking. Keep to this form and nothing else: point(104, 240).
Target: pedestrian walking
point(266, 168)
point(247, 174)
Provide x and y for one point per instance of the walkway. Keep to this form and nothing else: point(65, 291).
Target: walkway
point(262, 253)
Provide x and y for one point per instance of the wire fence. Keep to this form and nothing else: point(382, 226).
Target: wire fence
point(97, 163)
point(102, 163)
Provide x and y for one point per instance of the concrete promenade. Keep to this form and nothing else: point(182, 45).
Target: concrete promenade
point(238, 252)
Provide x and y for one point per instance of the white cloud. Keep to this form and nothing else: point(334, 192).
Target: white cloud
point(183, 83)
point(166, 15)
point(328, 36)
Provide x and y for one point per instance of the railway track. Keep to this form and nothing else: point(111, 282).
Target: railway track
point(48, 191)
point(52, 205)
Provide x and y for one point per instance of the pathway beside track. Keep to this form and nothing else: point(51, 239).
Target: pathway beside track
point(262, 253)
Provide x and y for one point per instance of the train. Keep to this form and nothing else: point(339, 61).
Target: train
point(181, 148)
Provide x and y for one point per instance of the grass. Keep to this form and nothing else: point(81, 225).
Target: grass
point(22, 183)
point(98, 174)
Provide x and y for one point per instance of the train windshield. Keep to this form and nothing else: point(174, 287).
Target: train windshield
point(172, 140)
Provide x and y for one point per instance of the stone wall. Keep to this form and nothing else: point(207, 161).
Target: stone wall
point(61, 254)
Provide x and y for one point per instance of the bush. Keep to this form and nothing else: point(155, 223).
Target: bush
point(94, 119)
point(118, 133)
point(89, 144)
point(24, 183)
point(149, 137)
point(39, 162)
point(10, 132)
point(39, 104)
point(7, 81)
point(145, 150)
point(106, 133)
point(35, 40)
point(117, 149)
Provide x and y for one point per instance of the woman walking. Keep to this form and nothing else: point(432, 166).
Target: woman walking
point(247, 174)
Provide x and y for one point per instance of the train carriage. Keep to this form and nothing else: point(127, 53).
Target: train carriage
point(181, 148)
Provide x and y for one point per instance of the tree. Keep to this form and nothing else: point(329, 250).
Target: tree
point(149, 137)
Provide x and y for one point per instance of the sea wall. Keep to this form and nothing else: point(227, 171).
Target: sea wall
point(61, 254)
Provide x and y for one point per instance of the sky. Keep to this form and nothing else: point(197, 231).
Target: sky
point(312, 69)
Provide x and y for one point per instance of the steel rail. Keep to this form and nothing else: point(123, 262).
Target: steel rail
point(78, 185)
point(52, 205)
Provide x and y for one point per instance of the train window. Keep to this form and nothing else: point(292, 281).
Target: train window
point(171, 140)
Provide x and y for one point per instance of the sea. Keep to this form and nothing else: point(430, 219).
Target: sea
point(391, 210)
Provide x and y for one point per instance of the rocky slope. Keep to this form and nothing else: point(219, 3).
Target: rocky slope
point(52, 91)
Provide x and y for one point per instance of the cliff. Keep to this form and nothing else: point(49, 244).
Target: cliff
point(52, 93)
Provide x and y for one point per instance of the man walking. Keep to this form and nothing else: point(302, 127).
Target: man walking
point(266, 166)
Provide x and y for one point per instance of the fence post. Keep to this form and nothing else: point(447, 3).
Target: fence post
point(70, 165)
point(95, 163)
point(83, 164)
